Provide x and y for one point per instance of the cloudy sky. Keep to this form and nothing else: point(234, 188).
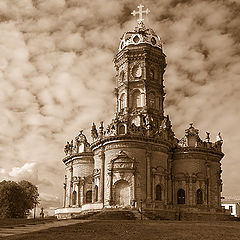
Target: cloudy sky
point(57, 77)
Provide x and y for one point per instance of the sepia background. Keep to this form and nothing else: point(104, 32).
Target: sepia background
point(57, 77)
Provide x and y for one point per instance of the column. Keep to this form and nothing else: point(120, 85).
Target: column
point(190, 191)
point(134, 188)
point(79, 193)
point(110, 187)
point(102, 157)
point(64, 195)
point(165, 189)
point(65, 192)
point(187, 198)
point(93, 190)
point(83, 192)
point(70, 194)
point(153, 188)
point(148, 158)
point(70, 185)
point(208, 185)
point(117, 104)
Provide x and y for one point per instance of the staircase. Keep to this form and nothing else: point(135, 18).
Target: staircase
point(112, 214)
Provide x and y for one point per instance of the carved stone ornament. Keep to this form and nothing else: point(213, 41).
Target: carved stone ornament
point(96, 172)
point(122, 161)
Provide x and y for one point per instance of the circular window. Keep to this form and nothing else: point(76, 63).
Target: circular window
point(153, 41)
point(136, 39)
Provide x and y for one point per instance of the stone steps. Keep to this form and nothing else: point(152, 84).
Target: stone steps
point(114, 215)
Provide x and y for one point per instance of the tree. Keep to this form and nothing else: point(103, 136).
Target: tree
point(16, 199)
point(31, 194)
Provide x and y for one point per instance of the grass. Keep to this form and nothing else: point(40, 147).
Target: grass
point(137, 230)
point(13, 222)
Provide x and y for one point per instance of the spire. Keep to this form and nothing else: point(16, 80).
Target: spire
point(140, 12)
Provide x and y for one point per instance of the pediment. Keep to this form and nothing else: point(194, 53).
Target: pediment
point(123, 157)
point(123, 161)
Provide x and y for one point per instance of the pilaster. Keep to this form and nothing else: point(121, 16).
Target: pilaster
point(148, 162)
point(102, 157)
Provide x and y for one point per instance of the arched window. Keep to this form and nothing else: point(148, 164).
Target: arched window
point(136, 99)
point(158, 193)
point(199, 196)
point(122, 101)
point(89, 196)
point(152, 100)
point(122, 129)
point(181, 196)
point(96, 193)
point(74, 198)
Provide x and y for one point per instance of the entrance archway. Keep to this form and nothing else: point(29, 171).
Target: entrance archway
point(122, 193)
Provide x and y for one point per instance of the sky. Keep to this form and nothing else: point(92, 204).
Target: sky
point(57, 77)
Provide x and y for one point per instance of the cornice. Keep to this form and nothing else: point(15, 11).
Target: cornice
point(77, 156)
point(131, 140)
point(143, 50)
point(196, 152)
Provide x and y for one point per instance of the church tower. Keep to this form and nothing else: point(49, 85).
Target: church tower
point(140, 65)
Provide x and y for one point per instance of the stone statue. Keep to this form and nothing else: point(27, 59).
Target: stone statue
point(94, 133)
point(207, 137)
point(68, 149)
point(148, 121)
point(101, 129)
point(71, 148)
point(219, 137)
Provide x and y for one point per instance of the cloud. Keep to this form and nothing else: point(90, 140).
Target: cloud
point(57, 76)
point(27, 172)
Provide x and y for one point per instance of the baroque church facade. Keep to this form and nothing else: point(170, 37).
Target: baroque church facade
point(137, 159)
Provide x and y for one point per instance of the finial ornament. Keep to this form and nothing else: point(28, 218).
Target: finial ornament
point(140, 12)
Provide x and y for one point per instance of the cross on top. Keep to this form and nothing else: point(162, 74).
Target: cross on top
point(140, 12)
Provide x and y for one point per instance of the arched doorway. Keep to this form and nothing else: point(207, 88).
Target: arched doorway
point(122, 193)
point(181, 196)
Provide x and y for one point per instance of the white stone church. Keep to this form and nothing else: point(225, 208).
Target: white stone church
point(137, 158)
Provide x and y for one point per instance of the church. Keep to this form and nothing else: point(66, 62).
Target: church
point(136, 160)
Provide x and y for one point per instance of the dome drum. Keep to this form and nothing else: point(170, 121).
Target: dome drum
point(143, 36)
